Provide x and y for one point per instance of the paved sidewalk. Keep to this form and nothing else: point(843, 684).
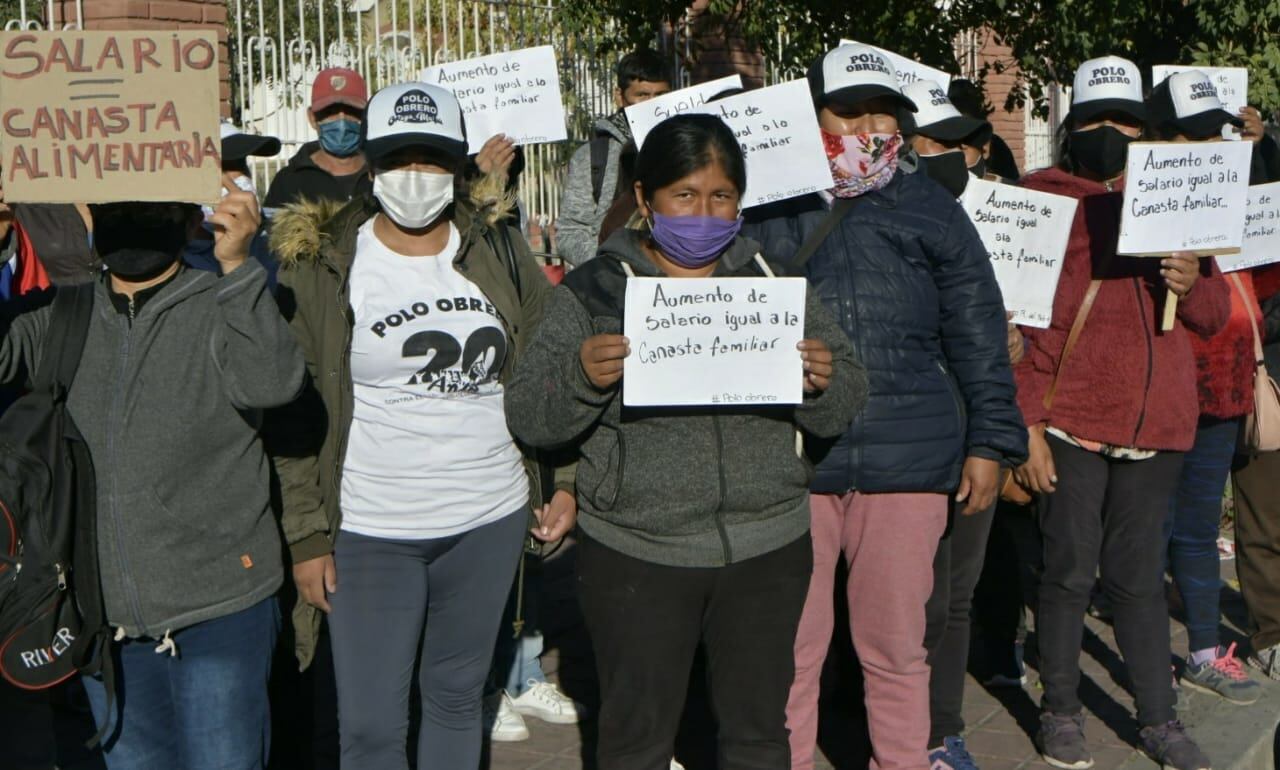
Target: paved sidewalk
point(1000, 722)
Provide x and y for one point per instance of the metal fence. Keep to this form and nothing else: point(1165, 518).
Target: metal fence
point(278, 47)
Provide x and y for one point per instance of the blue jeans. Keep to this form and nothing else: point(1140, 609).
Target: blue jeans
point(518, 661)
point(205, 709)
point(1197, 511)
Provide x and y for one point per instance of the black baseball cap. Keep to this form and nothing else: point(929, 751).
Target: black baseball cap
point(237, 145)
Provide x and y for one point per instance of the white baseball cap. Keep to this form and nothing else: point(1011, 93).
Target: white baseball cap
point(1107, 84)
point(854, 73)
point(1188, 103)
point(414, 115)
point(937, 118)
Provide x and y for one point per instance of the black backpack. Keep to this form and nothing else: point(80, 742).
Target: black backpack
point(51, 616)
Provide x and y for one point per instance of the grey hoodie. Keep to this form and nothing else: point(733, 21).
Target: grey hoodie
point(581, 215)
point(170, 407)
point(681, 487)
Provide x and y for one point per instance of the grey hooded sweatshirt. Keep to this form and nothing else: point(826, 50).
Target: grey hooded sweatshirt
point(687, 487)
point(581, 213)
point(169, 403)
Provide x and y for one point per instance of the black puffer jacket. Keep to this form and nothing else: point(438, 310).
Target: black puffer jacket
point(909, 281)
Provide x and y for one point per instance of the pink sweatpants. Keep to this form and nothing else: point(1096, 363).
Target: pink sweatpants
point(889, 541)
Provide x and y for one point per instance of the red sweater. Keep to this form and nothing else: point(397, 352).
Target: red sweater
point(1126, 383)
point(1224, 362)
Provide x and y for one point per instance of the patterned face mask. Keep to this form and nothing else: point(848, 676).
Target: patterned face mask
point(861, 163)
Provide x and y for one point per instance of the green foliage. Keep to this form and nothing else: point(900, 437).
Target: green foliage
point(1049, 38)
point(791, 33)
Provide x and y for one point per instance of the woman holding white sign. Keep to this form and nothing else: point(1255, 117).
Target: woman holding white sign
point(406, 499)
point(898, 261)
point(1185, 108)
point(695, 520)
point(1111, 404)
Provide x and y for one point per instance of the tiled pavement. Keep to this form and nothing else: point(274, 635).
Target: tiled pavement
point(1000, 722)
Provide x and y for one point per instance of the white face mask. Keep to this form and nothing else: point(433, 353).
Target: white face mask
point(413, 199)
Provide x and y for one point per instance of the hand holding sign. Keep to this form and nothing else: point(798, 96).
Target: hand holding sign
point(1180, 271)
point(716, 341)
point(516, 93)
point(235, 221)
point(817, 365)
point(1184, 197)
point(602, 359)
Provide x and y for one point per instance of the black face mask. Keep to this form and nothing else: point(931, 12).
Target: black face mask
point(138, 241)
point(1102, 150)
point(948, 169)
point(979, 169)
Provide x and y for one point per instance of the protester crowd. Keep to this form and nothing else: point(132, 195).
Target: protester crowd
point(333, 433)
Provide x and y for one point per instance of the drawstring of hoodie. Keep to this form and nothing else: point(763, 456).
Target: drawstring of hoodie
point(167, 643)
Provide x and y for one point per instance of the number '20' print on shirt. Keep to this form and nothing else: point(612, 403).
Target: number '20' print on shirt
point(481, 357)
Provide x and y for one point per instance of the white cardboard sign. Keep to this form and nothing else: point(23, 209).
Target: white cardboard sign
point(516, 93)
point(1232, 84)
point(910, 70)
point(1184, 197)
point(713, 341)
point(1261, 231)
point(1025, 233)
point(780, 138)
point(645, 115)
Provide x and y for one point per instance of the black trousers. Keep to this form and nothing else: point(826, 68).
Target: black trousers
point(646, 622)
point(1256, 487)
point(1009, 584)
point(956, 569)
point(1107, 515)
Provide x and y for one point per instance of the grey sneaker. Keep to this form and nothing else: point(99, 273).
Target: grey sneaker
point(1061, 741)
point(1267, 661)
point(1223, 676)
point(1171, 747)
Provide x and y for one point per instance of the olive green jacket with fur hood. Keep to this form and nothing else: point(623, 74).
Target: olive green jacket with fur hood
point(316, 243)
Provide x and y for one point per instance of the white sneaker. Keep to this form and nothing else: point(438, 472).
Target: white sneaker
point(676, 765)
point(545, 701)
point(503, 723)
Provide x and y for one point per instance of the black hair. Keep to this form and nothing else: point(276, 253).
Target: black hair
point(968, 98)
point(682, 145)
point(644, 64)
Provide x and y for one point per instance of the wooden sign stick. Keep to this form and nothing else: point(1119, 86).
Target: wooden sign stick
point(1171, 299)
point(1170, 311)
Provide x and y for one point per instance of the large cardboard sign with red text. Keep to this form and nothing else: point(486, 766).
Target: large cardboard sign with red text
point(93, 117)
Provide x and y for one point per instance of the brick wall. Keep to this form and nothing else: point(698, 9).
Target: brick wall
point(157, 14)
point(1010, 125)
point(717, 55)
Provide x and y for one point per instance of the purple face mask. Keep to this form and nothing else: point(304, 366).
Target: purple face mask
point(694, 242)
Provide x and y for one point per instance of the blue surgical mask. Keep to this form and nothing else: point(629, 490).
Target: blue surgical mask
point(340, 137)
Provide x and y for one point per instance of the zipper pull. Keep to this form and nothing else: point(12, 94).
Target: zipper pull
point(133, 310)
point(62, 577)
